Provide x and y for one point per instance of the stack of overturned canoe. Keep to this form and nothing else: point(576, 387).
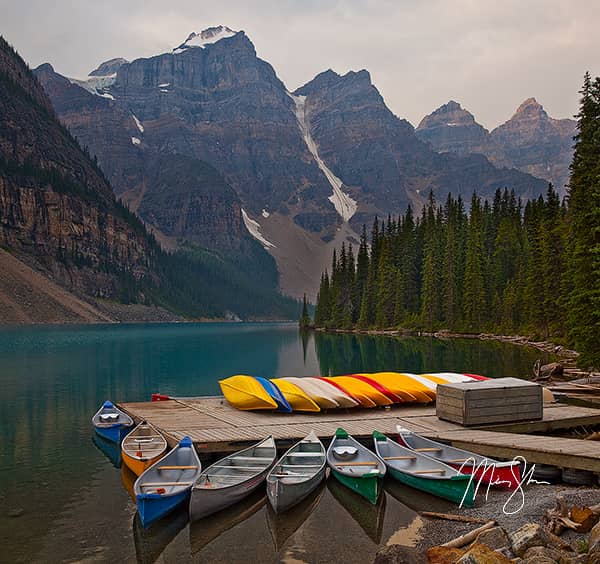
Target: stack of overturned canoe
point(320, 393)
point(168, 480)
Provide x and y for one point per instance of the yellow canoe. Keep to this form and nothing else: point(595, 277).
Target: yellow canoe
point(404, 395)
point(299, 400)
point(400, 382)
point(246, 393)
point(362, 390)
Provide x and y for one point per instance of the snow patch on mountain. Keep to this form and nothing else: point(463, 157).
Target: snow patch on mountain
point(206, 37)
point(344, 204)
point(97, 85)
point(253, 228)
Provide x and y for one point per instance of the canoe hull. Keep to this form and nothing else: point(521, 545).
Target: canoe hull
point(152, 507)
point(368, 487)
point(457, 489)
point(167, 483)
point(486, 470)
point(508, 477)
point(136, 465)
point(204, 502)
point(115, 433)
point(285, 496)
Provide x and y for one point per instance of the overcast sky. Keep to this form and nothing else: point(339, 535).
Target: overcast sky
point(487, 55)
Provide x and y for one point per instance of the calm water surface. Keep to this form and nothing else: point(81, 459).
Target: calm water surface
point(61, 498)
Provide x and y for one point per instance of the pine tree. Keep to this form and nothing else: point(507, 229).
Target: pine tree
point(385, 293)
point(305, 318)
point(584, 228)
point(474, 287)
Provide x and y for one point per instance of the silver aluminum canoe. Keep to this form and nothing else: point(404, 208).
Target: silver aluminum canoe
point(297, 473)
point(232, 478)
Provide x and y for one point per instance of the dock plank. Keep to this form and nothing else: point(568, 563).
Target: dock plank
point(217, 427)
point(567, 453)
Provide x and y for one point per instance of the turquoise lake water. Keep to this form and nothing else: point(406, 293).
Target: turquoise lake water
point(61, 499)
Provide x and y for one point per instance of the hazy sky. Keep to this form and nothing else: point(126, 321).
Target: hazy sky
point(487, 55)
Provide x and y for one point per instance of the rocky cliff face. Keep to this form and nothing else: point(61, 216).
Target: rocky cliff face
point(56, 208)
point(178, 196)
point(451, 128)
point(223, 105)
point(530, 140)
point(306, 168)
point(379, 157)
point(534, 142)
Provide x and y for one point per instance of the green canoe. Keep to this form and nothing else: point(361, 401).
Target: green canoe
point(355, 466)
point(424, 473)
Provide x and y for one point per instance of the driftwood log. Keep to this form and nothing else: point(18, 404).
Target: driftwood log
point(451, 517)
point(469, 537)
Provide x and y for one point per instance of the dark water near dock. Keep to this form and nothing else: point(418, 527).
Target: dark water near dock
point(61, 499)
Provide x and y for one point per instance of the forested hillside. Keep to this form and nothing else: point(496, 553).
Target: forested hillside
point(503, 266)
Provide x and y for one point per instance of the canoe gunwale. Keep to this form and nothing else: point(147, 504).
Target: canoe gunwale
point(243, 478)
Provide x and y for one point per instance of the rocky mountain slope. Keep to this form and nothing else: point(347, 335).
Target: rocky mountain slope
point(307, 168)
point(59, 215)
point(530, 141)
point(55, 205)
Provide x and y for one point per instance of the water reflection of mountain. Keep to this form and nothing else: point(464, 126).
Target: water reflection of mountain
point(341, 353)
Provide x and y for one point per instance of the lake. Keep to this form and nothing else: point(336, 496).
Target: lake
point(63, 500)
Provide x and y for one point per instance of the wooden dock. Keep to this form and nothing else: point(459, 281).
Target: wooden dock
point(216, 427)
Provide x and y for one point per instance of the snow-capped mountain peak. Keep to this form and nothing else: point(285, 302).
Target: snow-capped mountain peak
point(207, 37)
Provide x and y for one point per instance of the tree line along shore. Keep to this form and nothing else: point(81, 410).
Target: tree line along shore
point(500, 266)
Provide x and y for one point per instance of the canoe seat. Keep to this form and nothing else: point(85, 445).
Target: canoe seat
point(429, 449)
point(241, 467)
point(177, 467)
point(109, 416)
point(296, 475)
point(344, 452)
point(308, 454)
point(159, 484)
point(262, 458)
point(301, 465)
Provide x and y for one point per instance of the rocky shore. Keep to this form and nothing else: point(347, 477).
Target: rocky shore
point(556, 524)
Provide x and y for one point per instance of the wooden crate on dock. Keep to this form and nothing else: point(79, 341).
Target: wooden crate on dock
point(501, 400)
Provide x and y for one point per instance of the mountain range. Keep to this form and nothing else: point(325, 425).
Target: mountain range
point(70, 251)
point(530, 141)
point(303, 169)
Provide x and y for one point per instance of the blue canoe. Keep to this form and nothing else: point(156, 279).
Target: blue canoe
point(275, 393)
point(167, 483)
point(111, 423)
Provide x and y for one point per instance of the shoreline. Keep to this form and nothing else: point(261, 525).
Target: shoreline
point(568, 356)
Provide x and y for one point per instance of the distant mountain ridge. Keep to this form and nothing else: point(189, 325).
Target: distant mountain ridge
point(307, 168)
point(530, 141)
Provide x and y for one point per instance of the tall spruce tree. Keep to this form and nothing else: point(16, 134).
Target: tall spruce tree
point(584, 228)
